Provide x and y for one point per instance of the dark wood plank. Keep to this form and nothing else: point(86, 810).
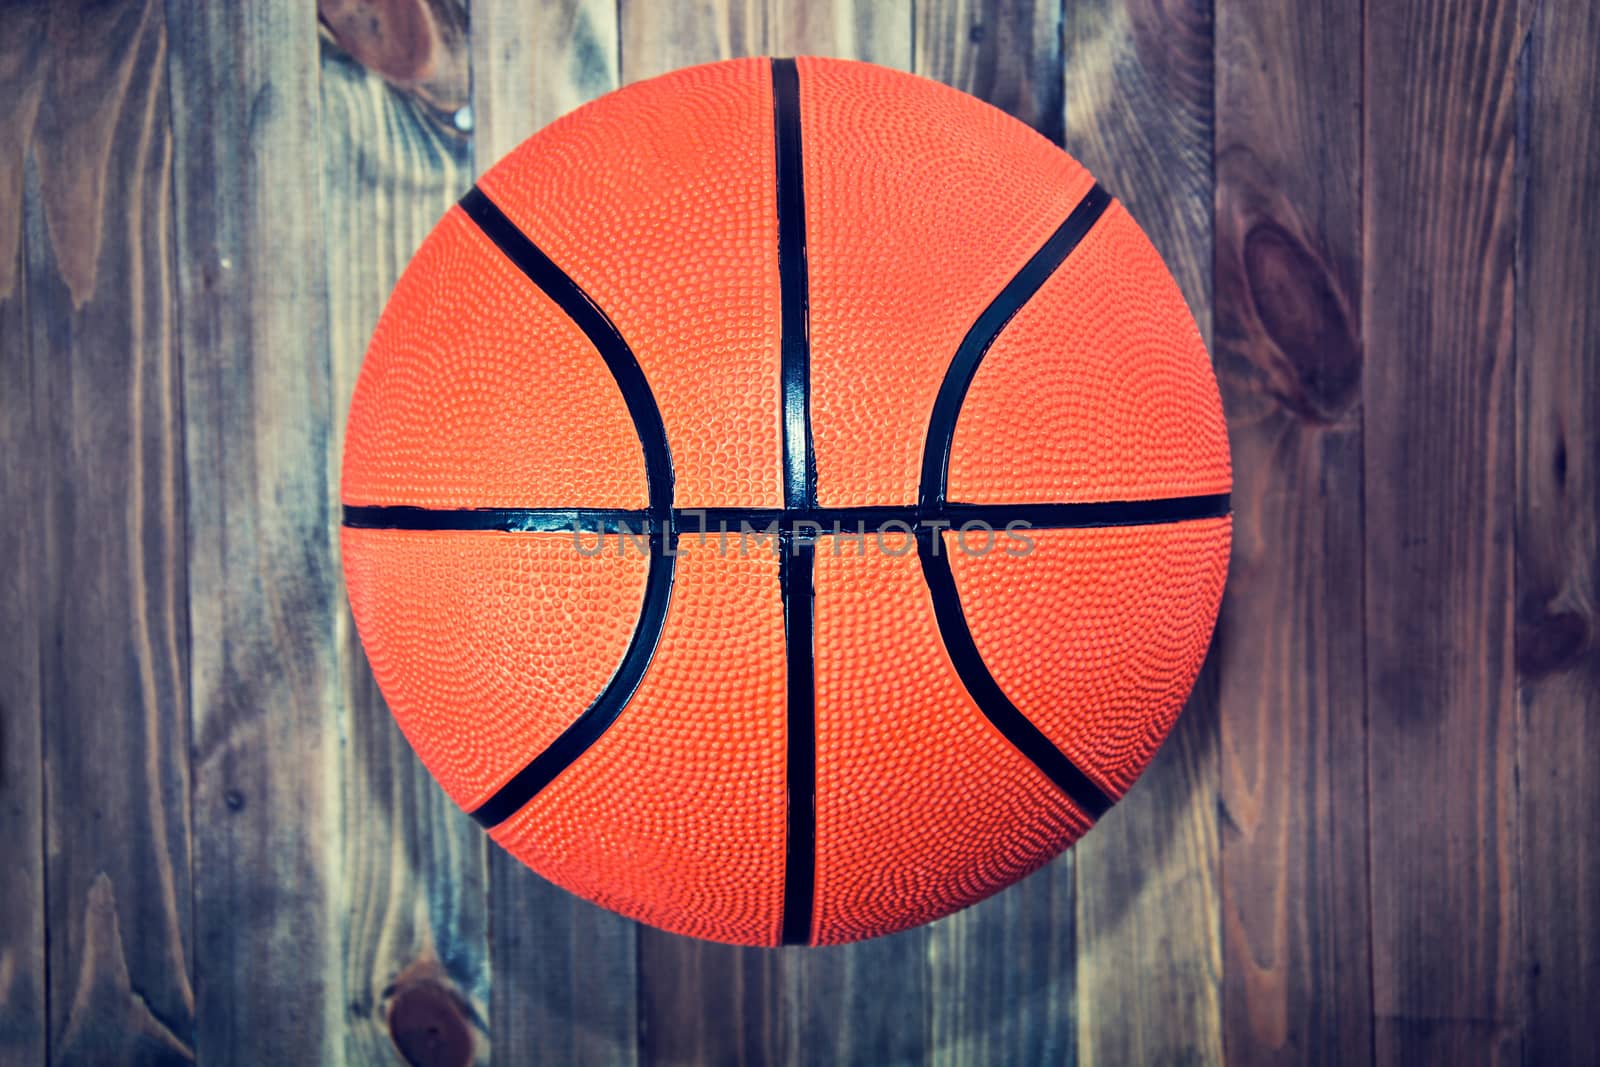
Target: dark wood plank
point(22, 920)
point(1138, 114)
point(1138, 100)
point(24, 458)
point(113, 668)
point(263, 598)
point(1008, 53)
point(656, 38)
point(1557, 630)
point(532, 63)
point(413, 891)
point(1296, 987)
point(878, 31)
point(565, 985)
point(417, 46)
point(868, 1002)
point(23, 70)
point(1001, 974)
point(1437, 255)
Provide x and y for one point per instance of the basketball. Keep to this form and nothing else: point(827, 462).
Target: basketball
point(786, 501)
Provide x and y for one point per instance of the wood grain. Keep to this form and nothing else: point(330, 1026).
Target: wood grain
point(24, 460)
point(262, 592)
point(1557, 621)
point(22, 886)
point(1008, 53)
point(419, 46)
point(1138, 76)
point(877, 31)
point(1438, 244)
point(413, 897)
point(112, 646)
point(657, 38)
point(23, 69)
point(1138, 97)
point(1289, 359)
point(1001, 975)
point(532, 63)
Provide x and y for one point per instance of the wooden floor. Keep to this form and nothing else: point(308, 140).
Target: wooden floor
point(1374, 836)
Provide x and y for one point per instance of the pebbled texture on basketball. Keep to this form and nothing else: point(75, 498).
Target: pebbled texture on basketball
point(786, 501)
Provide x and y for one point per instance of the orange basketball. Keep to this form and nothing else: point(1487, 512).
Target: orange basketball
point(786, 501)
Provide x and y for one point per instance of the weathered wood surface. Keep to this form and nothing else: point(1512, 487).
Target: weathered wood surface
point(1438, 251)
point(1372, 838)
point(257, 422)
point(414, 936)
point(109, 564)
point(23, 469)
point(1288, 351)
point(1557, 514)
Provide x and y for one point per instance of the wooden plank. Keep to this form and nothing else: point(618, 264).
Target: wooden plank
point(417, 46)
point(1008, 53)
point(1001, 974)
point(565, 972)
point(413, 896)
point(1138, 98)
point(1138, 114)
point(877, 31)
point(657, 38)
point(262, 589)
point(1438, 247)
point(1557, 632)
point(1296, 986)
point(24, 456)
point(23, 70)
point(112, 658)
point(532, 63)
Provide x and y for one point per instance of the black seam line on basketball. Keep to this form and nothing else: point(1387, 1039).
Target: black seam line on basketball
point(1042, 516)
point(931, 499)
point(848, 519)
point(598, 717)
point(799, 492)
point(519, 248)
point(799, 454)
point(796, 563)
point(975, 345)
point(986, 692)
point(506, 520)
point(576, 739)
